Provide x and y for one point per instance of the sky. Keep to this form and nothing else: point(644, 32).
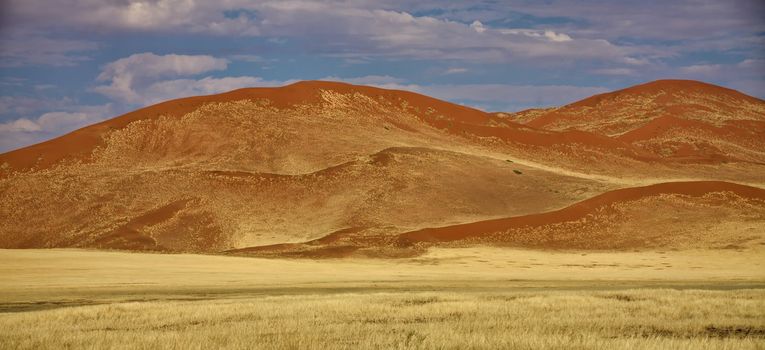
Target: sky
point(65, 64)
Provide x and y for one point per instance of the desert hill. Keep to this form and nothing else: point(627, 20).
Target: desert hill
point(679, 119)
point(280, 166)
point(678, 215)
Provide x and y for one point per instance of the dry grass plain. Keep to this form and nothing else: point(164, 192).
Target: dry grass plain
point(481, 298)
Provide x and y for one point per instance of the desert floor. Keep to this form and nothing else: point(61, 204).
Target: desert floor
point(447, 299)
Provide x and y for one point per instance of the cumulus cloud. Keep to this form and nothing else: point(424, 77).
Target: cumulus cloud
point(147, 78)
point(147, 64)
point(170, 89)
point(25, 131)
point(549, 34)
point(126, 75)
point(478, 26)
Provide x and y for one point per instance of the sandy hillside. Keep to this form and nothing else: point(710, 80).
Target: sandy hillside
point(678, 119)
point(361, 170)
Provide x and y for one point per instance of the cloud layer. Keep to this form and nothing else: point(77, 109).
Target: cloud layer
point(67, 63)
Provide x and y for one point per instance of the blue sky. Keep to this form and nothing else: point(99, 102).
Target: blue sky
point(69, 63)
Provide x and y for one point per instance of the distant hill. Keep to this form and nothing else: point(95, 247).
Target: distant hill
point(315, 164)
point(680, 119)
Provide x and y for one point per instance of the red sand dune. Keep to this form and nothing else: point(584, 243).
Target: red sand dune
point(364, 163)
point(453, 118)
point(579, 226)
point(79, 144)
point(680, 119)
point(736, 140)
point(574, 212)
point(664, 97)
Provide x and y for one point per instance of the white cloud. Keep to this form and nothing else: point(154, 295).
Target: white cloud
point(478, 26)
point(19, 125)
point(548, 34)
point(556, 36)
point(171, 89)
point(128, 75)
point(25, 131)
point(149, 64)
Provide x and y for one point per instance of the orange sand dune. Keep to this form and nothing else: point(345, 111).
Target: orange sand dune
point(678, 215)
point(348, 168)
point(673, 119)
point(79, 144)
point(565, 236)
point(693, 140)
point(616, 112)
point(453, 118)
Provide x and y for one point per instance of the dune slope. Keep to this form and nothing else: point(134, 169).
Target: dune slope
point(301, 163)
point(678, 119)
point(680, 215)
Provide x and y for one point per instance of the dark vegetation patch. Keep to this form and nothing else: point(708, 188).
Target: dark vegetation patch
point(708, 332)
point(418, 301)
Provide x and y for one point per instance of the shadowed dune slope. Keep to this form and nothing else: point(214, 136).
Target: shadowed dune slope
point(678, 215)
point(667, 214)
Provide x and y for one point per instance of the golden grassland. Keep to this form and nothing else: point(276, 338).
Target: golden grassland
point(421, 320)
point(486, 298)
